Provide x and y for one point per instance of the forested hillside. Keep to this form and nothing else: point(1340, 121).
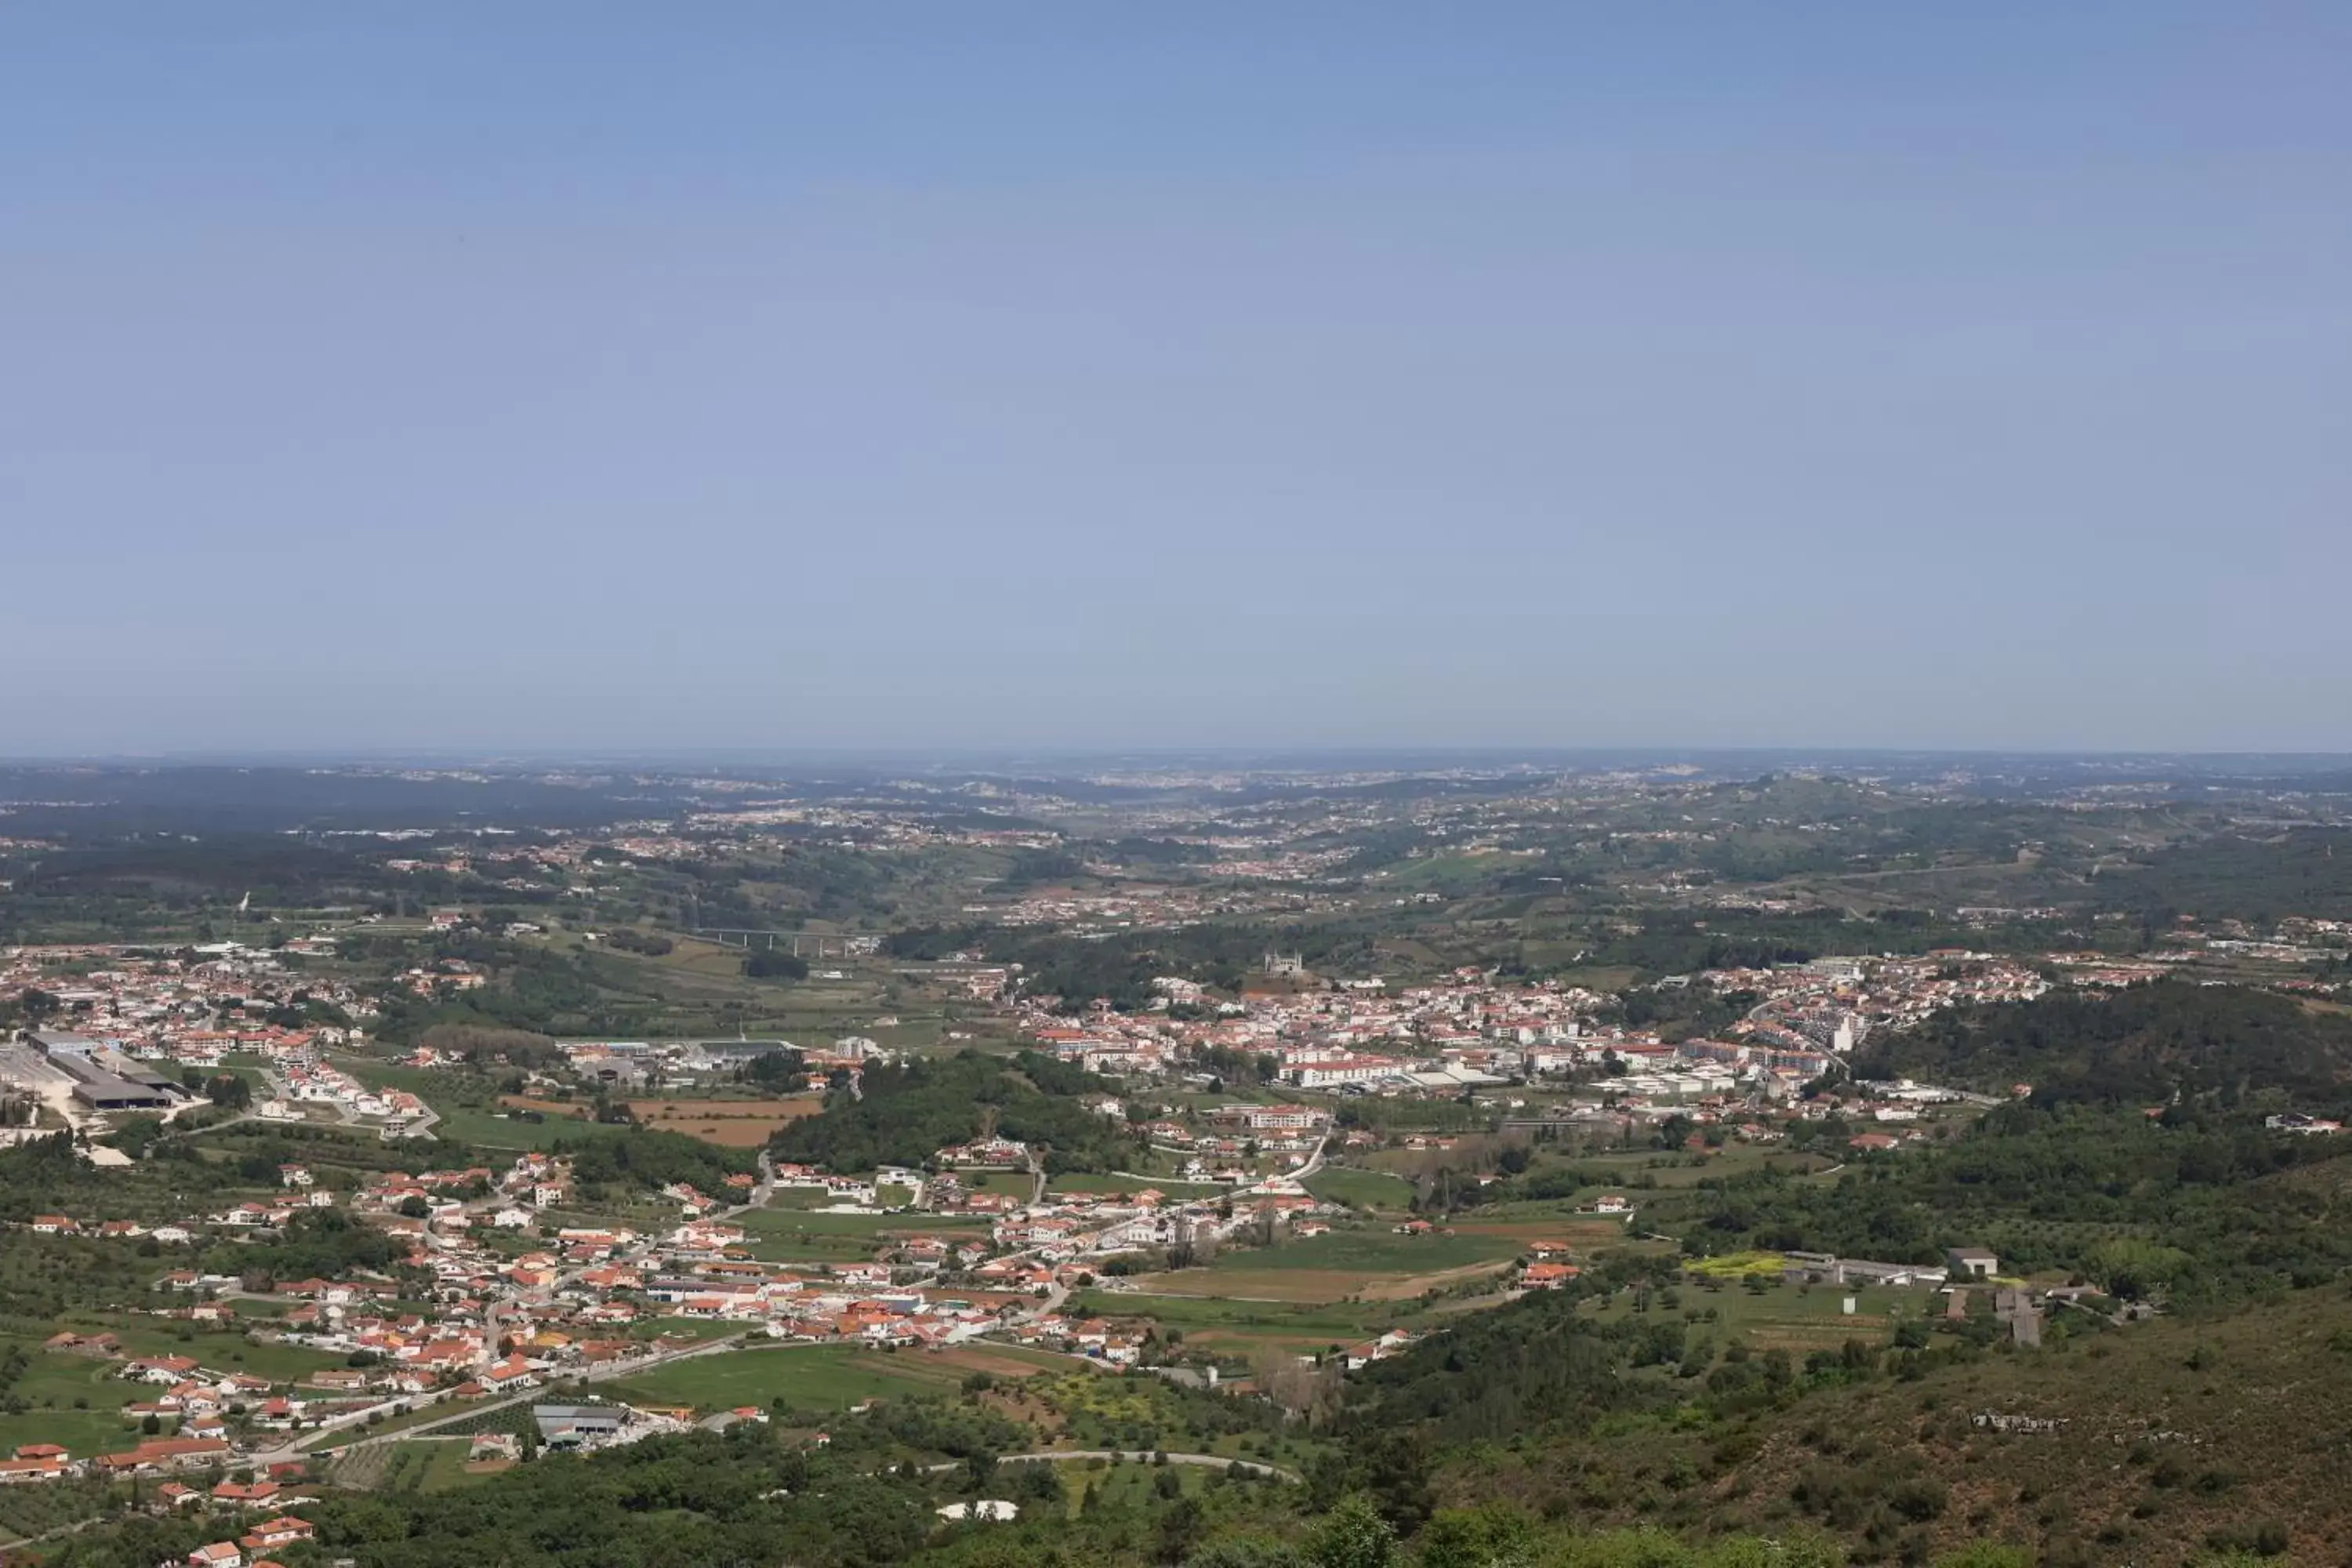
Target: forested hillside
point(2146, 1045)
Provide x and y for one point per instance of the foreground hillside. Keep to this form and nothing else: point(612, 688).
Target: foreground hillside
point(2162, 1444)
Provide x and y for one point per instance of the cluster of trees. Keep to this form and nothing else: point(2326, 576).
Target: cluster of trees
point(904, 1113)
point(648, 1157)
point(646, 944)
point(482, 1046)
point(774, 1071)
point(229, 1090)
point(773, 964)
point(44, 1176)
point(1520, 1368)
point(326, 1244)
point(1040, 868)
point(42, 1276)
point(1121, 969)
point(1147, 851)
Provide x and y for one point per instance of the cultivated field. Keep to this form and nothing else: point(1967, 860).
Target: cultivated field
point(1579, 1233)
point(730, 1123)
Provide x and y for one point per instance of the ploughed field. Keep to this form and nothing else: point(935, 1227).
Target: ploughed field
point(730, 1123)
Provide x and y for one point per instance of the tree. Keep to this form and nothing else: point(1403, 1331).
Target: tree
point(1473, 1538)
point(1354, 1535)
point(1180, 1527)
point(1397, 1466)
point(775, 1070)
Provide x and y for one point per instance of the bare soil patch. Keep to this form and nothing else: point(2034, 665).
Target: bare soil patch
point(730, 1123)
point(1411, 1286)
point(974, 1359)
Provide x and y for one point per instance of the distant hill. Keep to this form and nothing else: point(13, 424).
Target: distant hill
point(2298, 871)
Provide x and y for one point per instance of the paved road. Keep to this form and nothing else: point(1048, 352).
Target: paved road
point(304, 1440)
point(1314, 1163)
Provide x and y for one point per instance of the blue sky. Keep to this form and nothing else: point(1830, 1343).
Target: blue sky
point(758, 375)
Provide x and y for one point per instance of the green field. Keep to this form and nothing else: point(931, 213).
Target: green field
point(799, 1235)
point(1376, 1250)
point(81, 1432)
point(491, 1129)
point(218, 1352)
point(683, 1329)
point(57, 1381)
point(76, 1401)
point(1363, 1189)
point(817, 1378)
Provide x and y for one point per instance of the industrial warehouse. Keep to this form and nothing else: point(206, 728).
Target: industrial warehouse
point(103, 1078)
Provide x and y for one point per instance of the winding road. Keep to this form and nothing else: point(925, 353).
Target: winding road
point(611, 1372)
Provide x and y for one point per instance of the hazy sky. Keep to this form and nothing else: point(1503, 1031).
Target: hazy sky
point(870, 373)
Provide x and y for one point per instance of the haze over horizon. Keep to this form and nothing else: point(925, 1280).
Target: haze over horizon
point(590, 378)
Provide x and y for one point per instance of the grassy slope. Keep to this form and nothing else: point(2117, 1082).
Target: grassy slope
point(1365, 1189)
point(807, 1377)
point(1369, 1252)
